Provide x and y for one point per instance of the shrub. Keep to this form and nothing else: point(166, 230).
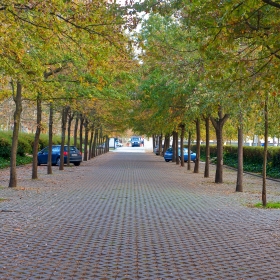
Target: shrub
point(274, 156)
point(253, 155)
point(252, 158)
point(27, 137)
point(56, 140)
point(43, 141)
point(21, 160)
point(5, 146)
point(25, 143)
point(4, 163)
point(23, 147)
point(213, 150)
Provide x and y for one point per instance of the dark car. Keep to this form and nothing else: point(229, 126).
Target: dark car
point(169, 154)
point(75, 155)
point(156, 150)
point(135, 141)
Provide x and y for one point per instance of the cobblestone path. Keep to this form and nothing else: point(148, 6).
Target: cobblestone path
point(132, 216)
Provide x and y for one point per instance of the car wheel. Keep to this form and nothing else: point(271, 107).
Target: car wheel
point(38, 163)
point(167, 160)
point(77, 163)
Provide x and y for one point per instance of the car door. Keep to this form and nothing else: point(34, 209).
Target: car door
point(43, 155)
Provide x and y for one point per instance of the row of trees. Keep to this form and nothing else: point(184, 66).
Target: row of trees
point(71, 57)
point(210, 61)
point(197, 61)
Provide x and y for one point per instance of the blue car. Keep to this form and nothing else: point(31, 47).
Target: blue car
point(135, 141)
point(75, 155)
point(169, 154)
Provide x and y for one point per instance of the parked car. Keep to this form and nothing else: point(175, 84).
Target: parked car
point(135, 141)
point(75, 155)
point(101, 146)
point(169, 154)
point(156, 150)
point(119, 144)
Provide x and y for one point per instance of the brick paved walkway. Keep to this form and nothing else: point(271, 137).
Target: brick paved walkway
point(132, 216)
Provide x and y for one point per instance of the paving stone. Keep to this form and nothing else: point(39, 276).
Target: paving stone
point(134, 216)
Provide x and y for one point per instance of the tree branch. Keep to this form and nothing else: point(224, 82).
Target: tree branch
point(52, 72)
point(272, 3)
point(274, 52)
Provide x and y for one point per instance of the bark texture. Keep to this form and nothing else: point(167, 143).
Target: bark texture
point(196, 165)
point(182, 144)
point(218, 125)
point(17, 115)
point(63, 132)
point(37, 138)
point(239, 181)
point(86, 140)
point(207, 148)
point(81, 133)
point(264, 200)
point(70, 119)
point(50, 139)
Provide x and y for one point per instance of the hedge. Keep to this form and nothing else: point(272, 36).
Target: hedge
point(25, 143)
point(252, 158)
point(5, 146)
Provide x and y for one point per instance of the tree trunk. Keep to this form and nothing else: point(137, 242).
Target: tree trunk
point(90, 143)
point(182, 145)
point(219, 167)
point(166, 143)
point(86, 140)
point(207, 148)
point(160, 145)
point(177, 148)
point(196, 165)
point(154, 141)
point(264, 202)
point(239, 181)
point(17, 115)
point(173, 146)
point(189, 150)
point(76, 132)
point(81, 133)
point(101, 140)
point(98, 143)
point(70, 118)
point(104, 144)
point(218, 125)
point(63, 132)
point(107, 143)
point(37, 138)
point(50, 139)
point(95, 143)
